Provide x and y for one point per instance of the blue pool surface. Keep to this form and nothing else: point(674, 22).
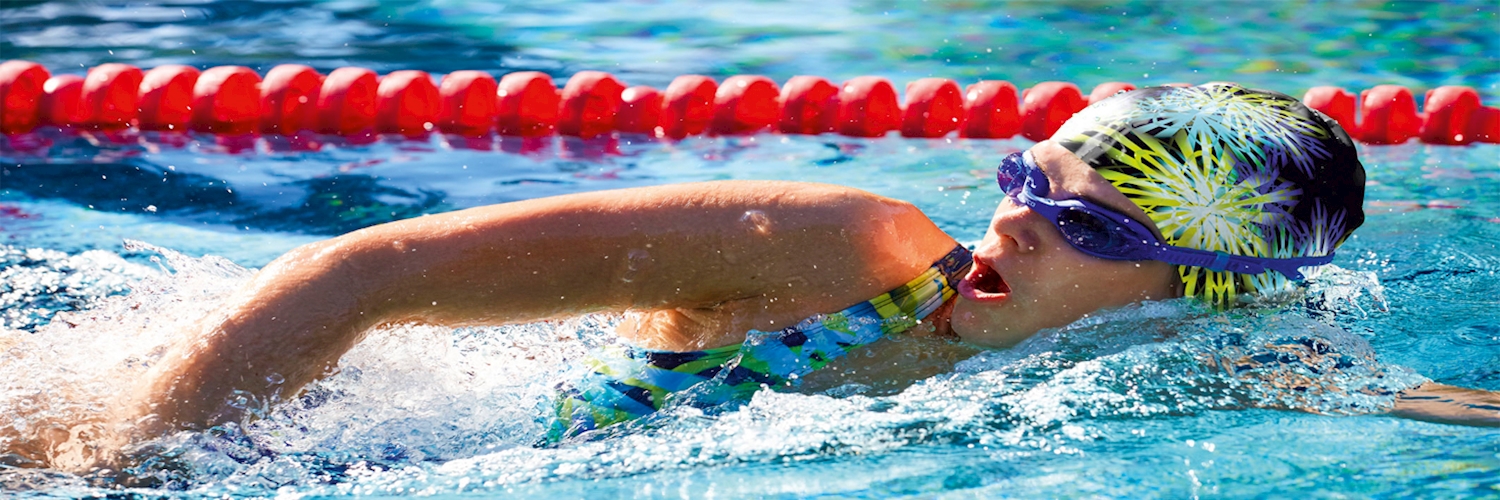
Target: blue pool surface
point(107, 249)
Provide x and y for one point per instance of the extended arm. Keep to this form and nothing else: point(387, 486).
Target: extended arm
point(1446, 404)
point(742, 254)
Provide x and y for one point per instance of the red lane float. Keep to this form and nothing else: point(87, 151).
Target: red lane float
point(868, 107)
point(809, 105)
point(1484, 125)
point(1387, 115)
point(21, 92)
point(640, 111)
point(590, 101)
point(934, 107)
point(469, 103)
point(528, 105)
point(1107, 89)
point(346, 102)
point(1046, 106)
point(406, 103)
point(1445, 115)
point(289, 99)
point(62, 102)
point(166, 98)
point(351, 101)
point(226, 100)
point(110, 94)
point(991, 110)
point(1335, 102)
point(687, 106)
point(745, 104)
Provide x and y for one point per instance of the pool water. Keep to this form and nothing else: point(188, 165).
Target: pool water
point(108, 249)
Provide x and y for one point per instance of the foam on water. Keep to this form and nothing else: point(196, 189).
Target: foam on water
point(68, 372)
point(1162, 400)
point(37, 283)
point(419, 409)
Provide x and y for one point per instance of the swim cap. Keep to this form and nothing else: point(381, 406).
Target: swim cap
point(1224, 168)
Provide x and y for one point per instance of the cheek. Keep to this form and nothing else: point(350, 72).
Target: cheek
point(1057, 290)
point(991, 326)
point(1122, 283)
point(1081, 286)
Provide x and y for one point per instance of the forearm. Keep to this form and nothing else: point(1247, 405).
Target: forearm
point(292, 322)
point(1434, 402)
point(284, 329)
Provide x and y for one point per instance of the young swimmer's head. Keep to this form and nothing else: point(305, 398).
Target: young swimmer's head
point(1223, 168)
point(1218, 168)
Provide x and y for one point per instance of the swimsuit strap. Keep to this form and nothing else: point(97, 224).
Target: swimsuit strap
point(627, 383)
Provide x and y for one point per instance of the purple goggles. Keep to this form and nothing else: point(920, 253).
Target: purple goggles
point(1107, 234)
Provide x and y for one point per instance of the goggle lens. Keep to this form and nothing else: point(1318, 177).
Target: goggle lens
point(1090, 232)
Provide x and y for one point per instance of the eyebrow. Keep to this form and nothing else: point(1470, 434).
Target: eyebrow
point(1106, 205)
point(1148, 223)
point(1054, 183)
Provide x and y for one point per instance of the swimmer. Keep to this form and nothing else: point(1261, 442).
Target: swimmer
point(1215, 192)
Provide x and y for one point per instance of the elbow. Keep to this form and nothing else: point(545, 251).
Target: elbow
point(888, 221)
point(334, 273)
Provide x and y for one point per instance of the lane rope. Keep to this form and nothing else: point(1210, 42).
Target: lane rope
point(358, 104)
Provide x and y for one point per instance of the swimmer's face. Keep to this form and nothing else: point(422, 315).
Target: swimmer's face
point(1026, 277)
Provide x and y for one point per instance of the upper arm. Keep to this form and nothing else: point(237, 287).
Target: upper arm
point(679, 246)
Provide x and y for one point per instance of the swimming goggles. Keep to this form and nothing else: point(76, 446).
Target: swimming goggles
point(1107, 234)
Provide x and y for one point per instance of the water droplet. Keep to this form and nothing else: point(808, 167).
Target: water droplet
point(757, 220)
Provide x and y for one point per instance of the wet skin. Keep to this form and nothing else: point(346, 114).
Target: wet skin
point(692, 266)
point(1026, 277)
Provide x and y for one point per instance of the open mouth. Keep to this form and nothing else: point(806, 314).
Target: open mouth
point(984, 284)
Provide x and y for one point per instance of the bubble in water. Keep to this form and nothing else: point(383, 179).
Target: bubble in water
point(442, 410)
point(1332, 288)
point(39, 283)
point(71, 373)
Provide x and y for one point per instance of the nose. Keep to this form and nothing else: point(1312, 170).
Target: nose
point(1017, 223)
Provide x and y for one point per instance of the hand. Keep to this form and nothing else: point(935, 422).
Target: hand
point(1446, 404)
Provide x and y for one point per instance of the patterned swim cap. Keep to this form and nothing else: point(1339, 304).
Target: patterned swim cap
point(1220, 167)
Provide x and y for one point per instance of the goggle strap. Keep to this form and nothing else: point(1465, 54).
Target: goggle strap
point(1221, 259)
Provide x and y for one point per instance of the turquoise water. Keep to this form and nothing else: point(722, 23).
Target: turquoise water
point(1097, 409)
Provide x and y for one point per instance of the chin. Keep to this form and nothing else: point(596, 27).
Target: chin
point(985, 325)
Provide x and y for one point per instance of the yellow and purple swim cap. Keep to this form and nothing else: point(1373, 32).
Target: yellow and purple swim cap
point(1224, 168)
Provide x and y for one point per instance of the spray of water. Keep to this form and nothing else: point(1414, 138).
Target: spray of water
point(419, 409)
point(64, 378)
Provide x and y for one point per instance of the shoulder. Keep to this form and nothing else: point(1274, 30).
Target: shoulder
point(815, 202)
point(789, 193)
point(843, 229)
point(877, 221)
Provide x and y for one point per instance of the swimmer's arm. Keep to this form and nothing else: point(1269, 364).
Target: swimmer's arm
point(686, 246)
point(782, 248)
point(1434, 402)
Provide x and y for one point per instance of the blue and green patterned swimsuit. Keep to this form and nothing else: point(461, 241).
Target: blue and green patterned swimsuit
point(623, 384)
